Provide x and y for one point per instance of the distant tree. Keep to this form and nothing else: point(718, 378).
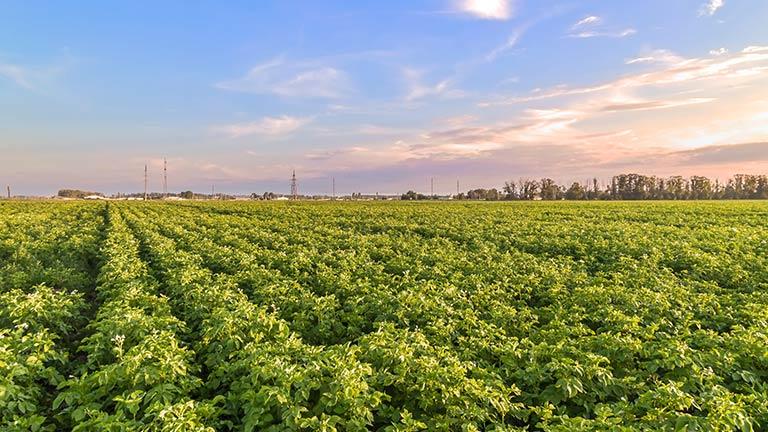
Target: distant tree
point(476, 194)
point(576, 192)
point(492, 195)
point(187, 195)
point(623, 187)
point(511, 191)
point(411, 196)
point(700, 188)
point(527, 189)
point(550, 190)
point(676, 188)
point(76, 193)
point(484, 194)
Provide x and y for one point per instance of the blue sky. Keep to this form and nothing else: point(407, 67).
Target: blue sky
point(380, 95)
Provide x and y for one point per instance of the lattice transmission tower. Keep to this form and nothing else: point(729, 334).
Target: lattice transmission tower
point(294, 186)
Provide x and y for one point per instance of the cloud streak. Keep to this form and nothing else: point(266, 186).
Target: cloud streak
point(267, 126)
point(719, 154)
point(587, 21)
point(750, 62)
point(417, 89)
point(591, 27)
point(291, 79)
point(16, 74)
point(594, 34)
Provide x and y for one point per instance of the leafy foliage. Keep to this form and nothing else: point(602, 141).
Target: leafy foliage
point(384, 316)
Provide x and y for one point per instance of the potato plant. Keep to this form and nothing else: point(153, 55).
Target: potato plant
point(199, 316)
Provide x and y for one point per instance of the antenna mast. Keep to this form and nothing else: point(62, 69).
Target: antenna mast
point(294, 187)
point(145, 182)
point(165, 178)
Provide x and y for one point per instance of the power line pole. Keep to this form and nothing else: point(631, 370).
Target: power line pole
point(145, 182)
point(432, 186)
point(294, 186)
point(457, 187)
point(213, 191)
point(333, 181)
point(165, 178)
point(8, 189)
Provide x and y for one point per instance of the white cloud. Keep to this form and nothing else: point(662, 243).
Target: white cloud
point(719, 52)
point(593, 34)
point(711, 7)
point(591, 27)
point(291, 79)
point(510, 80)
point(487, 9)
point(647, 105)
point(267, 126)
point(750, 62)
point(35, 78)
point(418, 90)
point(588, 21)
point(510, 43)
point(17, 74)
point(656, 56)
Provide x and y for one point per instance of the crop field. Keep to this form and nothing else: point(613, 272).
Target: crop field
point(329, 316)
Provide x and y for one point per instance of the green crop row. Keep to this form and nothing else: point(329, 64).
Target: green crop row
point(384, 316)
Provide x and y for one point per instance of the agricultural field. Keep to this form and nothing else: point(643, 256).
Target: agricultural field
point(555, 316)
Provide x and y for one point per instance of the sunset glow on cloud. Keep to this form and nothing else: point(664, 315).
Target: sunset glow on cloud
point(382, 96)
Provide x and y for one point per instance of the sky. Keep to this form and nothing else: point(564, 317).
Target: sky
point(382, 96)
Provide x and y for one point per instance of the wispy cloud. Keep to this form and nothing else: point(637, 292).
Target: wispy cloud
point(609, 34)
point(591, 27)
point(517, 33)
point(656, 56)
point(291, 79)
point(750, 62)
point(486, 9)
point(510, 43)
point(718, 154)
point(19, 75)
point(646, 105)
point(719, 52)
point(587, 21)
point(418, 89)
point(36, 78)
point(711, 7)
point(267, 126)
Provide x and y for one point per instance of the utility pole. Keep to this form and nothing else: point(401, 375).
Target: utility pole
point(8, 189)
point(145, 182)
point(333, 181)
point(213, 191)
point(165, 178)
point(457, 187)
point(432, 186)
point(294, 187)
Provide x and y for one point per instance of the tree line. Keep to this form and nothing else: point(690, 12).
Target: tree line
point(621, 187)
